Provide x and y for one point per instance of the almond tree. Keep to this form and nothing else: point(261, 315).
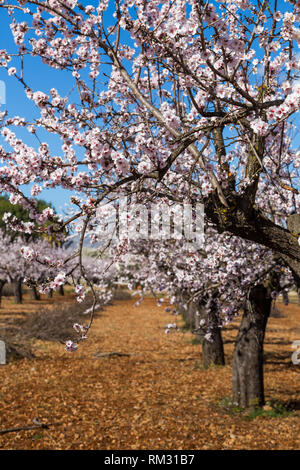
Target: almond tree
point(189, 101)
point(13, 266)
point(18, 266)
point(210, 287)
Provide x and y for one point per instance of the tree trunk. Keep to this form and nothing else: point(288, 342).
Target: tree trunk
point(34, 295)
point(18, 294)
point(50, 294)
point(189, 316)
point(2, 283)
point(247, 375)
point(61, 290)
point(184, 309)
point(213, 351)
point(212, 348)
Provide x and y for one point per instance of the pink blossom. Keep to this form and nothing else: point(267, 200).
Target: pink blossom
point(259, 126)
point(71, 346)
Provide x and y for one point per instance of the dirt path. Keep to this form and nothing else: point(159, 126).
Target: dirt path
point(155, 396)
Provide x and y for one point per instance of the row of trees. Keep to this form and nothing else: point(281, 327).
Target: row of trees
point(35, 258)
point(181, 102)
point(15, 267)
point(208, 287)
point(19, 266)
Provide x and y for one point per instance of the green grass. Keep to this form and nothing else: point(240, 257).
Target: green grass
point(196, 340)
point(227, 405)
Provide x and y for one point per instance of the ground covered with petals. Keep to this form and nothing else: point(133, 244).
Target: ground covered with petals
point(132, 386)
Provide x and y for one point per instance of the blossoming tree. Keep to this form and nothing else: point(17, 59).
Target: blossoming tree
point(210, 287)
point(193, 96)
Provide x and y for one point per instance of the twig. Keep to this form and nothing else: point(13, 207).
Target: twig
point(114, 353)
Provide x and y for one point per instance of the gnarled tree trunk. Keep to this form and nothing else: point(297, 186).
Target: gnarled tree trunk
point(50, 294)
point(34, 294)
point(247, 376)
point(18, 294)
point(61, 290)
point(212, 348)
point(184, 309)
point(2, 284)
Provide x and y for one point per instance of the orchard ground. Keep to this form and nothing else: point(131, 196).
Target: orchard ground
point(152, 394)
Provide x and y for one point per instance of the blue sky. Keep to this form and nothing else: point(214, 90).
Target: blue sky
point(39, 77)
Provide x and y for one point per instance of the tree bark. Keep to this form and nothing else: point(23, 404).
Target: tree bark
point(247, 375)
point(50, 294)
point(189, 316)
point(184, 309)
point(212, 349)
point(247, 222)
point(61, 290)
point(18, 294)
